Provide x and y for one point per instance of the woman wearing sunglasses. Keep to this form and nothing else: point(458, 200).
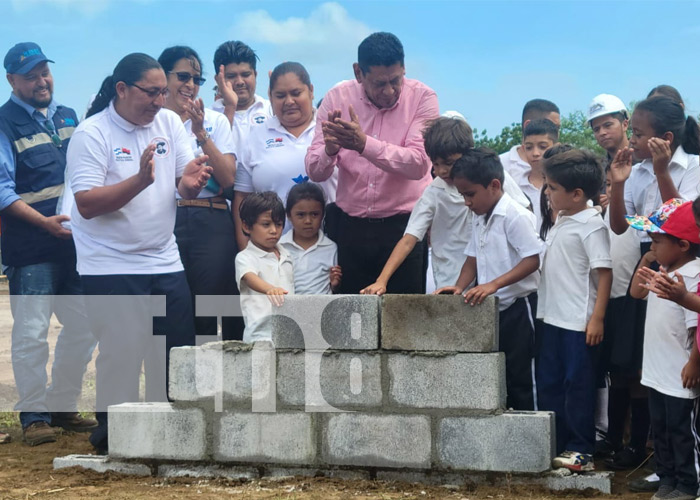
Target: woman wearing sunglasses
point(204, 228)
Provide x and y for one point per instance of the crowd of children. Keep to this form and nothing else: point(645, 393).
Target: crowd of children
point(584, 302)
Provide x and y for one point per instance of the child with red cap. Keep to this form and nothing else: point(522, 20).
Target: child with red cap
point(671, 363)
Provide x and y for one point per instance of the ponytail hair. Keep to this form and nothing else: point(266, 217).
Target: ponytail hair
point(129, 70)
point(667, 115)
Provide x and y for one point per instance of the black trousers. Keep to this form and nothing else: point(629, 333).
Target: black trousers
point(206, 240)
point(364, 246)
point(674, 422)
point(516, 338)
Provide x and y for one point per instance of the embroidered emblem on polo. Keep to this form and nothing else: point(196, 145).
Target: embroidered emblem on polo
point(123, 154)
point(258, 118)
point(162, 147)
point(277, 142)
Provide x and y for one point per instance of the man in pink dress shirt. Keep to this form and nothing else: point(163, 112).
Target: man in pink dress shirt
point(373, 136)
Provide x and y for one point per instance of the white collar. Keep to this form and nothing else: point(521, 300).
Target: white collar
point(262, 254)
point(125, 124)
point(322, 241)
point(583, 216)
point(680, 158)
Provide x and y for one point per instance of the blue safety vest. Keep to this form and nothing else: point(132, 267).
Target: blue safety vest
point(39, 181)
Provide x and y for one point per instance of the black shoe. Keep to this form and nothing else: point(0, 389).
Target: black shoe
point(604, 449)
point(73, 422)
point(643, 485)
point(627, 458)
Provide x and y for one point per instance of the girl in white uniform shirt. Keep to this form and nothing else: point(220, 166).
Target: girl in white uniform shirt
point(273, 159)
point(204, 229)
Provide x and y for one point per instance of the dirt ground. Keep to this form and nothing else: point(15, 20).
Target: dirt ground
point(27, 472)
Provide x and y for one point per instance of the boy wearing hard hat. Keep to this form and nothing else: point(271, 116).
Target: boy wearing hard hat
point(608, 117)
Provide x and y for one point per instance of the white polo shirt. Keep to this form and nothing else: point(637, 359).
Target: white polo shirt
point(219, 130)
point(513, 164)
point(667, 344)
point(138, 238)
point(575, 246)
point(625, 253)
point(312, 267)
point(533, 193)
point(273, 158)
point(642, 195)
point(246, 119)
point(256, 306)
point(500, 243)
point(441, 210)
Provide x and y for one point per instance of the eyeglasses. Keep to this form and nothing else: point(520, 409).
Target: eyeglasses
point(54, 136)
point(184, 77)
point(152, 93)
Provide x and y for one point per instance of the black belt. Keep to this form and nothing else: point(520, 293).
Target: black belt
point(391, 219)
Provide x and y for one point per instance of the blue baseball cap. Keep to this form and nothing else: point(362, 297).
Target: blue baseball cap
point(23, 57)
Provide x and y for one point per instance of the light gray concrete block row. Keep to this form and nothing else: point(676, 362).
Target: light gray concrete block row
point(156, 430)
point(100, 463)
point(327, 321)
point(192, 470)
point(377, 440)
point(265, 437)
point(338, 379)
point(510, 442)
point(222, 368)
point(438, 323)
point(465, 381)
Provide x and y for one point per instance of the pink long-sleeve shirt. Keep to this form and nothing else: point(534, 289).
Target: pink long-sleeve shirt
point(389, 176)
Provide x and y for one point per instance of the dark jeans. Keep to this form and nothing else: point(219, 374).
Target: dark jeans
point(516, 338)
point(674, 422)
point(206, 239)
point(364, 246)
point(566, 386)
point(128, 329)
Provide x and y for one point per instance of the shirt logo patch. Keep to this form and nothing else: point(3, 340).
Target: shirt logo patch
point(257, 119)
point(277, 142)
point(123, 154)
point(70, 122)
point(162, 147)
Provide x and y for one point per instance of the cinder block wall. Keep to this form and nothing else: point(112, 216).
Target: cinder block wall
point(359, 382)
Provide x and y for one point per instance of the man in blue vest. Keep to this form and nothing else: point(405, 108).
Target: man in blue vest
point(38, 253)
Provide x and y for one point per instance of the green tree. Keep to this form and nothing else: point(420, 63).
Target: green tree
point(574, 130)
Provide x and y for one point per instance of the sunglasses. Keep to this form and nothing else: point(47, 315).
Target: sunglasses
point(152, 93)
point(184, 77)
point(54, 136)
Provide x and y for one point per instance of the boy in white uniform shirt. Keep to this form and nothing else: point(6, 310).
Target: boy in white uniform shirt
point(671, 364)
point(263, 268)
point(573, 296)
point(503, 254)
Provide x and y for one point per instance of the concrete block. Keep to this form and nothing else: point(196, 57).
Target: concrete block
point(438, 323)
point(466, 381)
point(191, 470)
point(600, 481)
point(216, 368)
point(101, 463)
point(510, 442)
point(377, 440)
point(156, 430)
point(339, 379)
point(327, 321)
point(265, 437)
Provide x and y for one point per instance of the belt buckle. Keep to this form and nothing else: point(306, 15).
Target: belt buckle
point(371, 220)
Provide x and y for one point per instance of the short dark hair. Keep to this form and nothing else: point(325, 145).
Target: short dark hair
point(290, 67)
point(305, 191)
point(234, 51)
point(443, 137)
point(542, 127)
point(258, 203)
point(538, 108)
point(576, 169)
point(170, 56)
point(545, 209)
point(379, 49)
point(479, 166)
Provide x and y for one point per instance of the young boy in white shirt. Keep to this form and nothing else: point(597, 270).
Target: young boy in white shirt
point(573, 296)
point(263, 268)
point(671, 363)
point(503, 255)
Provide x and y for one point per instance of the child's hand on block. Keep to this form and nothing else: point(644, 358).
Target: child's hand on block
point(477, 294)
point(276, 295)
point(448, 290)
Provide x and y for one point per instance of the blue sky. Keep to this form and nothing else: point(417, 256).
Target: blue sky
point(484, 59)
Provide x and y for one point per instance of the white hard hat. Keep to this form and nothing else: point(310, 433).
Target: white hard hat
point(455, 115)
point(605, 104)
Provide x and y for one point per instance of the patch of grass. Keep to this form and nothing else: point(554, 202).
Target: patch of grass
point(8, 420)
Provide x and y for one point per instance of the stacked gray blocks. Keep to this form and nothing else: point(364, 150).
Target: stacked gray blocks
point(394, 384)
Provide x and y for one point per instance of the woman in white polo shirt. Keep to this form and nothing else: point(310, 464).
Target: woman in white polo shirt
point(273, 159)
point(128, 158)
point(204, 230)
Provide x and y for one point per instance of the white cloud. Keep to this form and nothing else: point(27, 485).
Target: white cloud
point(86, 7)
point(328, 30)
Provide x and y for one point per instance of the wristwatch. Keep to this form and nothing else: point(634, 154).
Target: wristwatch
point(206, 138)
